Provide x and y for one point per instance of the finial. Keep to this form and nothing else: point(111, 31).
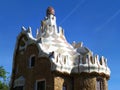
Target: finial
point(50, 10)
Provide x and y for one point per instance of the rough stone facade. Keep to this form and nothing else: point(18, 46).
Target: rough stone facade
point(54, 80)
point(49, 62)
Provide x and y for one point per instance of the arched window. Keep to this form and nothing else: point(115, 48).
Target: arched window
point(40, 85)
point(99, 84)
point(32, 61)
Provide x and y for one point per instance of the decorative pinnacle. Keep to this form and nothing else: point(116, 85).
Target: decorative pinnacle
point(50, 10)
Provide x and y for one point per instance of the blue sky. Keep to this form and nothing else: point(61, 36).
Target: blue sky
point(94, 22)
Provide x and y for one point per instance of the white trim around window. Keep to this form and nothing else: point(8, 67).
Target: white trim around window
point(36, 83)
point(30, 61)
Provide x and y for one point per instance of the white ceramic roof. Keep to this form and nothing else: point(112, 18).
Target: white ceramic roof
point(64, 57)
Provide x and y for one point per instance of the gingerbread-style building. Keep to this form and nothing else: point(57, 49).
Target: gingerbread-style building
point(49, 62)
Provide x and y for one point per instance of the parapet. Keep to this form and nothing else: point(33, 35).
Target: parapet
point(88, 64)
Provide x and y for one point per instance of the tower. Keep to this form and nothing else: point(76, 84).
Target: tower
point(49, 62)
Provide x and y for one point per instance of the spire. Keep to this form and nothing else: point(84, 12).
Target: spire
point(48, 25)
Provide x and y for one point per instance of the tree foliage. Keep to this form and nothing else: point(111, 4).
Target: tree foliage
point(4, 83)
point(2, 72)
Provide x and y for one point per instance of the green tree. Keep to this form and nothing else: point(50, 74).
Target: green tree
point(4, 83)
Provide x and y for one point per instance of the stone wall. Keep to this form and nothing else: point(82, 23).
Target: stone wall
point(41, 70)
point(62, 79)
point(54, 80)
point(88, 81)
point(85, 83)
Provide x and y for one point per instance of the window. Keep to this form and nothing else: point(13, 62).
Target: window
point(99, 84)
point(32, 61)
point(40, 85)
point(64, 87)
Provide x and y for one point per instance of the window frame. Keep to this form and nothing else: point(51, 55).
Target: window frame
point(30, 61)
point(36, 84)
